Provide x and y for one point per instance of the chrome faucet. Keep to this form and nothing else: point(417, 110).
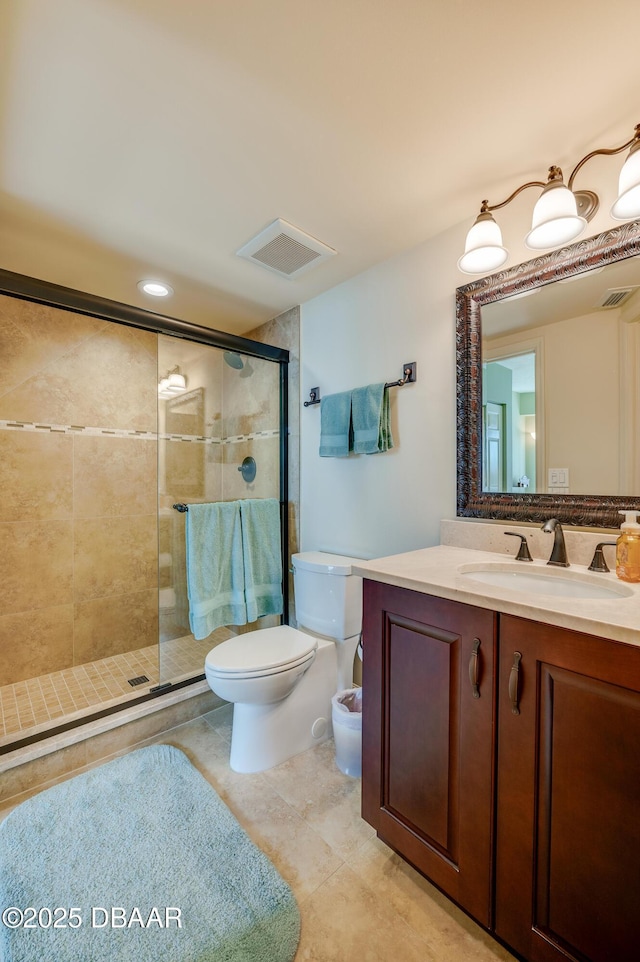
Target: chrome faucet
point(559, 552)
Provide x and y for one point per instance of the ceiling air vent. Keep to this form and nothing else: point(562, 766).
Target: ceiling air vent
point(285, 250)
point(615, 296)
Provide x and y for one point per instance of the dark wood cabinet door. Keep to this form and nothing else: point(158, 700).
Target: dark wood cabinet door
point(568, 795)
point(428, 732)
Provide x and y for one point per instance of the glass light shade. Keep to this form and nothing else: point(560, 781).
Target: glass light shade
point(627, 205)
point(483, 250)
point(176, 384)
point(555, 218)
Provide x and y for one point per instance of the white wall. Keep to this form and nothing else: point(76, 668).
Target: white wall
point(362, 332)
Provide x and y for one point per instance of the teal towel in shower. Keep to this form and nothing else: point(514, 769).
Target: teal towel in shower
point(370, 412)
point(335, 425)
point(261, 543)
point(215, 568)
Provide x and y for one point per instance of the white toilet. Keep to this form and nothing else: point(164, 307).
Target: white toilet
point(281, 680)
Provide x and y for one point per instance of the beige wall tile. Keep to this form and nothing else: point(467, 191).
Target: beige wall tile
point(251, 397)
point(184, 469)
point(36, 564)
point(114, 476)
point(33, 643)
point(105, 381)
point(266, 453)
point(34, 336)
point(114, 556)
point(110, 626)
point(36, 477)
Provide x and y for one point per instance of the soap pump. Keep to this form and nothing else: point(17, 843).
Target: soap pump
point(628, 548)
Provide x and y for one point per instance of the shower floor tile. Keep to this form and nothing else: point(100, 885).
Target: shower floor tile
point(27, 707)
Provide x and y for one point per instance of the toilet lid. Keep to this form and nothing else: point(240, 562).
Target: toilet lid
point(261, 651)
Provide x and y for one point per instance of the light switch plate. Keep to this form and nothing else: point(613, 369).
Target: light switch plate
point(558, 478)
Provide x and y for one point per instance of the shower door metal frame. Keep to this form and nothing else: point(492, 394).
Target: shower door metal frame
point(65, 298)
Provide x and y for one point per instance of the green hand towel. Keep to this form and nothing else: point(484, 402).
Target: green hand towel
point(215, 569)
point(335, 425)
point(370, 412)
point(261, 542)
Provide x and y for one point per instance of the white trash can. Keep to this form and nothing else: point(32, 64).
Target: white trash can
point(346, 715)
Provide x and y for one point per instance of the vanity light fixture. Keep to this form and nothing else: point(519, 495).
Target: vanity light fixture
point(172, 383)
point(155, 288)
point(560, 214)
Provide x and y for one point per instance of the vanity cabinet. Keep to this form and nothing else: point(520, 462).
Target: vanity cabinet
point(428, 667)
point(523, 804)
point(568, 795)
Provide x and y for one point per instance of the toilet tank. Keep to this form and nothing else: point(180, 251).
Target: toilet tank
point(328, 598)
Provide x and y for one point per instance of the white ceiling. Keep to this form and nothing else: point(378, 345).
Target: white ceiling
point(155, 137)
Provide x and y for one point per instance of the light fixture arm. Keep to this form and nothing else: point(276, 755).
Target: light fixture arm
point(560, 213)
point(486, 206)
point(609, 151)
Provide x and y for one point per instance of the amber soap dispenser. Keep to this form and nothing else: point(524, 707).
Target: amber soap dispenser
point(628, 548)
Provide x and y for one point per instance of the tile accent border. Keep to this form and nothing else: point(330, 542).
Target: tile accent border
point(124, 433)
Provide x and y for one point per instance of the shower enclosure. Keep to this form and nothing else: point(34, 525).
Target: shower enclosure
point(110, 416)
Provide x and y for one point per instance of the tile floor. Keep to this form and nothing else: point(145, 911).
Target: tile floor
point(29, 706)
point(359, 902)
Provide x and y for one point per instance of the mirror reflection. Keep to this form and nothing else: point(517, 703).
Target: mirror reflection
point(559, 386)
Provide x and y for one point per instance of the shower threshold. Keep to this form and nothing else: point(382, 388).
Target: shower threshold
point(33, 707)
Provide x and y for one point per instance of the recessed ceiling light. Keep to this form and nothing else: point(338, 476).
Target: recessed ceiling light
point(155, 288)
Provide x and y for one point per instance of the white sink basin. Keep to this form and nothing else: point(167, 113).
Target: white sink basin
point(544, 580)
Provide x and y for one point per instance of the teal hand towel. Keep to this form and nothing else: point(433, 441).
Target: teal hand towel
point(261, 542)
point(179, 569)
point(215, 569)
point(370, 412)
point(335, 425)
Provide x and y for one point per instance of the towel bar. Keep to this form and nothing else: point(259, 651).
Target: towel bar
point(409, 377)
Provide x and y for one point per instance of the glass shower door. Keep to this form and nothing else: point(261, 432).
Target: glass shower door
point(218, 440)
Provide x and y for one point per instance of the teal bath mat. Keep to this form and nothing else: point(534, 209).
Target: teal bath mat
point(139, 860)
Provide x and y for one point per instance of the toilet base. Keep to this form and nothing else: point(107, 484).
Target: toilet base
point(266, 735)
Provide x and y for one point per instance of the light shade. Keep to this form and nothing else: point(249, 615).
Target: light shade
point(555, 218)
point(172, 383)
point(483, 250)
point(177, 384)
point(627, 205)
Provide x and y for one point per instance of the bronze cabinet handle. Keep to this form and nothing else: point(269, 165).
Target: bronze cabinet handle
point(514, 677)
point(474, 666)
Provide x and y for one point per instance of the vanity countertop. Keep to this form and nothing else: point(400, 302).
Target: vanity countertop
point(436, 571)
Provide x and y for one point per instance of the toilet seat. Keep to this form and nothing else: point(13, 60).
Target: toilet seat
point(267, 651)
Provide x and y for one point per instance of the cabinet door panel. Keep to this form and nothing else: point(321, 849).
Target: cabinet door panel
point(568, 830)
point(427, 741)
point(422, 754)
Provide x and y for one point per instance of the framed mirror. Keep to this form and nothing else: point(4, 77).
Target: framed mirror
point(548, 386)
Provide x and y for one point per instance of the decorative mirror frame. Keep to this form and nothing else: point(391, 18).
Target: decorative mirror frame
point(583, 510)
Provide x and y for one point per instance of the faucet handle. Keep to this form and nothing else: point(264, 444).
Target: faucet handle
point(523, 551)
point(598, 563)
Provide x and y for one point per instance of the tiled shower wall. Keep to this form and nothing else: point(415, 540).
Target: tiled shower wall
point(78, 475)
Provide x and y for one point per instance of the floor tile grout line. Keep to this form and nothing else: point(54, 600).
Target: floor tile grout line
point(72, 689)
